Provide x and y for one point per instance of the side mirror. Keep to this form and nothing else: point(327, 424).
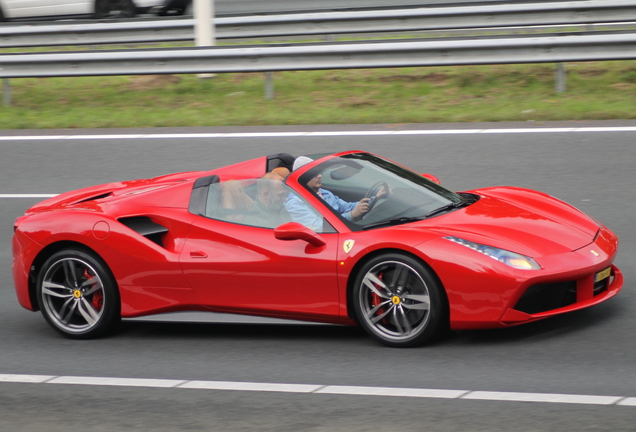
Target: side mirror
point(296, 231)
point(432, 178)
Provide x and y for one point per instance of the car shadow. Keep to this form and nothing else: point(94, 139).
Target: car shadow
point(550, 328)
point(237, 331)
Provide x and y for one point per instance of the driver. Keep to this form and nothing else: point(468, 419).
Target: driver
point(351, 211)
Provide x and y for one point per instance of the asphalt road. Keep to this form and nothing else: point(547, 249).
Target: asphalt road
point(590, 352)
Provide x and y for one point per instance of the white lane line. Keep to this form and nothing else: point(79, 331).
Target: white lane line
point(117, 382)
point(392, 391)
point(323, 389)
point(251, 386)
point(317, 133)
point(543, 397)
point(27, 195)
point(444, 131)
point(16, 378)
point(123, 136)
point(351, 133)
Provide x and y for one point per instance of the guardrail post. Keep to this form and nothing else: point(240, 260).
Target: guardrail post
point(6, 92)
point(204, 22)
point(204, 27)
point(560, 78)
point(269, 85)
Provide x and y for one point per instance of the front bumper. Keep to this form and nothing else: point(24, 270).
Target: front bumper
point(484, 293)
point(584, 295)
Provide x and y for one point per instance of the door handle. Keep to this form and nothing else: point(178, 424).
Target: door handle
point(198, 254)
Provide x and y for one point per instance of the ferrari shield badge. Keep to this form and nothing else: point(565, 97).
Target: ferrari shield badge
point(348, 245)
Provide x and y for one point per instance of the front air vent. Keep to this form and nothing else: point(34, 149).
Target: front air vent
point(145, 227)
point(545, 297)
point(93, 198)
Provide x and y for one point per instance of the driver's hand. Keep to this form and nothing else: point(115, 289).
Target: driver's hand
point(385, 192)
point(360, 209)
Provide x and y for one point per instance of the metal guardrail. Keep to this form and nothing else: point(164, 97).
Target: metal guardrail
point(326, 23)
point(320, 56)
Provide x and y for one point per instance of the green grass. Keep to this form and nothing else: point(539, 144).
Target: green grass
point(595, 91)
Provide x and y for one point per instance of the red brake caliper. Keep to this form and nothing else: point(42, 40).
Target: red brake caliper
point(376, 300)
point(98, 297)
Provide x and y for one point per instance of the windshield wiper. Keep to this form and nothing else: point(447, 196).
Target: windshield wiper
point(396, 221)
point(447, 207)
point(402, 220)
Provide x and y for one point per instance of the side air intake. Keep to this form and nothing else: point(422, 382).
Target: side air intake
point(145, 227)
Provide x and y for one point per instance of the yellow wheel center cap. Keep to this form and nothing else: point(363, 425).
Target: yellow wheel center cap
point(77, 293)
point(396, 300)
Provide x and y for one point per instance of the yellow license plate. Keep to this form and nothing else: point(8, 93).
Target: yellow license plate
point(603, 274)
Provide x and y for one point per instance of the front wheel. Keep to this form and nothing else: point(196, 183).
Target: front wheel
point(115, 9)
point(78, 295)
point(399, 301)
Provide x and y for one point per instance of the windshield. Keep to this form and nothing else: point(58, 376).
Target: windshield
point(395, 194)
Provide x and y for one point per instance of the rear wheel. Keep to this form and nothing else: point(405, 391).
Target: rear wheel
point(399, 301)
point(78, 295)
point(115, 9)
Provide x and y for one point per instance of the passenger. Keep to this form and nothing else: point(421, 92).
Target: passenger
point(268, 210)
point(234, 197)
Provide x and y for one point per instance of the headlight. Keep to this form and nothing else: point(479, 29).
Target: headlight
point(511, 259)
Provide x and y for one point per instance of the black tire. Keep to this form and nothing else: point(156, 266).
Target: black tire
point(175, 7)
point(1, 16)
point(115, 9)
point(78, 295)
point(399, 301)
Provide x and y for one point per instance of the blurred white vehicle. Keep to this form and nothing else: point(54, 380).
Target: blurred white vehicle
point(42, 9)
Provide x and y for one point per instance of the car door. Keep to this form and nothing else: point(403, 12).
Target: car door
point(236, 267)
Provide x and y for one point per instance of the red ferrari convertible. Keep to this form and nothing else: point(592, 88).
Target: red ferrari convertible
point(348, 238)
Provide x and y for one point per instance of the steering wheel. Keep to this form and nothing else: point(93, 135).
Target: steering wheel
point(374, 191)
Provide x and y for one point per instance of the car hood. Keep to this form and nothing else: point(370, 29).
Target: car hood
point(519, 220)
